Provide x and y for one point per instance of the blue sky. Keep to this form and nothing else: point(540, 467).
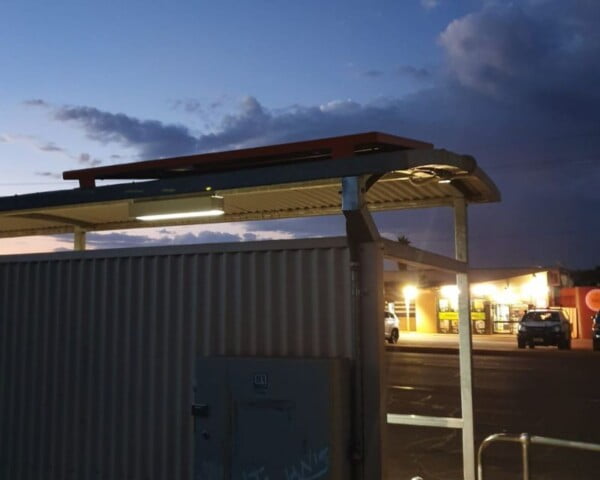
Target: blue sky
point(513, 83)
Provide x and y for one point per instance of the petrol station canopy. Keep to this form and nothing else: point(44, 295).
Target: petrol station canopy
point(282, 181)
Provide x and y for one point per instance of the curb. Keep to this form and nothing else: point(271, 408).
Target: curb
point(482, 352)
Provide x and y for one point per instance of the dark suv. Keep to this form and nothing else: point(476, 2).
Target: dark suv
point(545, 326)
point(596, 331)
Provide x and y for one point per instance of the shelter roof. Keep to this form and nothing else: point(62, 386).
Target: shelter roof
point(281, 181)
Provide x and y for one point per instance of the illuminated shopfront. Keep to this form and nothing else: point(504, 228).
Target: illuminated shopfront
point(498, 300)
point(496, 306)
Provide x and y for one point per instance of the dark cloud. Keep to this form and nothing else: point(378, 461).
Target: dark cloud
point(373, 73)
point(151, 137)
point(250, 126)
point(35, 102)
point(255, 125)
point(34, 142)
point(205, 237)
point(49, 175)
point(519, 91)
point(195, 106)
point(86, 159)
point(126, 240)
point(541, 53)
point(50, 147)
point(414, 73)
point(189, 105)
point(332, 225)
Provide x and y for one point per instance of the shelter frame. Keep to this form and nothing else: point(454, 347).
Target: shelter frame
point(372, 172)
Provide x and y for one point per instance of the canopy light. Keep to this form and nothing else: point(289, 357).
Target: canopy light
point(175, 208)
point(430, 173)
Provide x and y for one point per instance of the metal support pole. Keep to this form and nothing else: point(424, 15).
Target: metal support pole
point(360, 226)
point(374, 379)
point(525, 453)
point(370, 382)
point(79, 239)
point(465, 341)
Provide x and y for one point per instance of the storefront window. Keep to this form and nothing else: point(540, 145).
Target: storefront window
point(505, 318)
point(448, 316)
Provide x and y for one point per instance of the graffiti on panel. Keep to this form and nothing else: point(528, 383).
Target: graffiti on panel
point(311, 467)
point(257, 474)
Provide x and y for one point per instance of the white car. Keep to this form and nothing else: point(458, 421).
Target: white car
point(391, 327)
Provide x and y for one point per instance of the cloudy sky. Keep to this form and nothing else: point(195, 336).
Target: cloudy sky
point(513, 83)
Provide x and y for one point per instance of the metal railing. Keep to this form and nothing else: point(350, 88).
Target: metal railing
point(525, 440)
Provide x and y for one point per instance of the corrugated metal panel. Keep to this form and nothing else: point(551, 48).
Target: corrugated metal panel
point(96, 352)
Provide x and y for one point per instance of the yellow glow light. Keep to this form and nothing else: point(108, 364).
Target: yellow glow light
point(409, 292)
point(506, 296)
point(536, 290)
point(484, 290)
point(449, 291)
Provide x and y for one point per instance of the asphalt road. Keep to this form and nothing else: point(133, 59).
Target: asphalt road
point(542, 392)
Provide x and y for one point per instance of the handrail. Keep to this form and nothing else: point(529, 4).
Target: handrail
point(525, 440)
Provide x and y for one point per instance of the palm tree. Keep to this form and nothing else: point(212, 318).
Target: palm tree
point(402, 240)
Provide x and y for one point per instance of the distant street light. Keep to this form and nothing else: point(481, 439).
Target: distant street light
point(410, 293)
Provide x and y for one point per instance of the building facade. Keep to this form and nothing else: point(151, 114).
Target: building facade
point(428, 301)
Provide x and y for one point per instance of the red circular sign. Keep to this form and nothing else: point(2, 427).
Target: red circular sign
point(592, 299)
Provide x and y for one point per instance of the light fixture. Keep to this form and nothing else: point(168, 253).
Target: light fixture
point(483, 290)
point(176, 208)
point(409, 292)
point(425, 174)
point(449, 291)
point(536, 290)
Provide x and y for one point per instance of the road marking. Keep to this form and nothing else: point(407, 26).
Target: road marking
point(409, 388)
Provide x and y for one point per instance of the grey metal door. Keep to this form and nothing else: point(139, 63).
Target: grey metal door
point(271, 419)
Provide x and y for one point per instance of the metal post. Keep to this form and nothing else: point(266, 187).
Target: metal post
point(370, 383)
point(525, 452)
point(465, 341)
point(79, 239)
point(374, 381)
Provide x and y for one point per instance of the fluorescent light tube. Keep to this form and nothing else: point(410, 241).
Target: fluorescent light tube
point(176, 208)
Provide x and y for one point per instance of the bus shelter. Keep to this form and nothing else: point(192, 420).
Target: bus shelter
point(354, 175)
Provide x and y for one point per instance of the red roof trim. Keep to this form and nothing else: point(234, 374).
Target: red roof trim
point(332, 147)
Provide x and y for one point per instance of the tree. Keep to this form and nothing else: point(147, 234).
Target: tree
point(586, 278)
point(402, 240)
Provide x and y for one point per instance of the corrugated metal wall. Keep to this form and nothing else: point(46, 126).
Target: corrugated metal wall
point(97, 348)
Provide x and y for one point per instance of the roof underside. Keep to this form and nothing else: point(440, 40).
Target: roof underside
point(282, 181)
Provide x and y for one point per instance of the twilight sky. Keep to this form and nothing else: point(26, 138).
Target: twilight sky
point(513, 83)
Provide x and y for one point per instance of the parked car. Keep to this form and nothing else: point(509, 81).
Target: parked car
point(596, 331)
point(547, 326)
point(392, 325)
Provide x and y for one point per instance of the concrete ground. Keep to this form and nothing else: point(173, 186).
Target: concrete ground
point(413, 341)
point(544, 392)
